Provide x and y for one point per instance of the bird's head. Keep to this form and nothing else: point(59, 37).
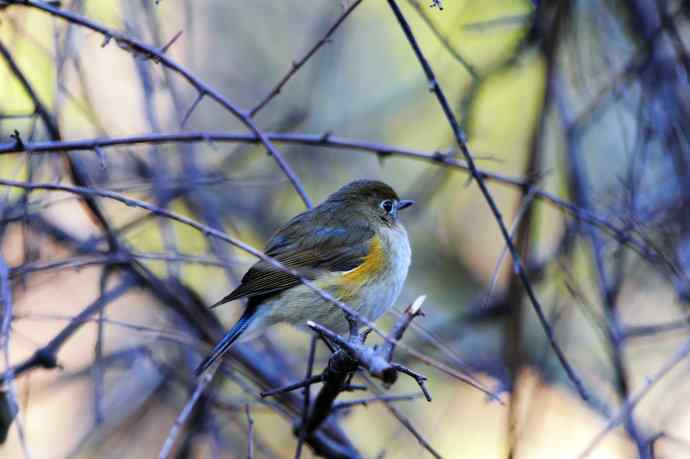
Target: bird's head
point(375, 199)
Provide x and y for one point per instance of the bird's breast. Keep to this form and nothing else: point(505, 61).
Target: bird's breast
point(374, 285)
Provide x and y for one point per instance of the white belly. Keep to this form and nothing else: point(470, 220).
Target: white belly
point(382, 292)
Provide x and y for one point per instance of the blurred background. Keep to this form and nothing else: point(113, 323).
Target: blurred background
point(577, 111)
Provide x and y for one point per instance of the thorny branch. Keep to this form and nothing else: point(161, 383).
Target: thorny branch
point(214, 233)
point(658, 68)
point(517, 262)
point(327, 140)
point(351, 355)
point(140, 48)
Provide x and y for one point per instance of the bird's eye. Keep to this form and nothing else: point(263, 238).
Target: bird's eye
point(387, 205)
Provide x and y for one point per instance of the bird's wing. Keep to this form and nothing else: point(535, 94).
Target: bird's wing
point(327, 248)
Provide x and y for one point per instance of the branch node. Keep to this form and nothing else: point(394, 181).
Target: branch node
point(167, 46)
point(101, 157)
point(436, 4)
point(439, 156)
point(18, 142)
point(46, 358)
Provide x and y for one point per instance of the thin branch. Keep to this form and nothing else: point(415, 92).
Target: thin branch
point(525, 205)
point(445, 42)
point(351, 355)
point(250, 432)
point(212, 232)
point(201, 385)
point(5, 327)
point(404, 420)
point(621, 235)
point(166, 47)
point(460, 139)
point(629, 406)
point(379, 398)
point(195, 104)
point(296, 65)
point(141, 48)
point(307, 396)
point(75, 171)
point(421, 381)
point(291, 387)
point(641, 331)
point(580, 186)
point(396, 333)
point(40, 108)
point(46, 356)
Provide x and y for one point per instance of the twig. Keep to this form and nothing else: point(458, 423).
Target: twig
point(421, 381)
point(46, 356)
point(296, 65)
point(380, 398)
point(8, 382)
point(41, 109)
point(143, 49)
point(352, 355)
point(212, 232)
point(405, 422)
point(201, 385)
point(307, 396)
point(580, 187)
point(396, 333)
point(329, 441)
point(250, 432)
point(166, 47)
point(680, 355)
point(640, 331)
point(460, 139)
point(188, 113)
point(330, 141)
point(525, 205)
point(99, 370)
point(291, 387)
point(445, 42)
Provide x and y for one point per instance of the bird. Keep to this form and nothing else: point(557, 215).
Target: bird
point(353, 245)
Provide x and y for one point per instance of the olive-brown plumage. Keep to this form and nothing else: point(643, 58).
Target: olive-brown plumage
point(352, 245)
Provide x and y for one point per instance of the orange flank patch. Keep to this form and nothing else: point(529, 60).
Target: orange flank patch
point(370, 267)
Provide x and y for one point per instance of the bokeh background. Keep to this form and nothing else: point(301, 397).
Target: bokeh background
point(584, 101)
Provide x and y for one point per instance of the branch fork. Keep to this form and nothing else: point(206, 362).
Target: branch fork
point(351, 355)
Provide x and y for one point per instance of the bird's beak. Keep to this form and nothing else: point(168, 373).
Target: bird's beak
point(404, 203)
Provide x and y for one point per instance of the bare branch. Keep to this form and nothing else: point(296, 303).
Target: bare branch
point(201, 385)
point(629, 406)
point(445, 42)
point(140, 48)
point(380, 398)
point(296, 65)
point(460, 139)
point(307, 396)
point(212, 232)
point(406, 423)
point(46, 356)
point(250, 432)
point(621, 235)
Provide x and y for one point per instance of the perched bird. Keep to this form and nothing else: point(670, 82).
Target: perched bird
point(352, 245)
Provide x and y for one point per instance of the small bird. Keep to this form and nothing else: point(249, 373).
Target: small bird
point(352, 245)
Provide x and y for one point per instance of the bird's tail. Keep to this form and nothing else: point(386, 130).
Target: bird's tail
point(230, 337)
